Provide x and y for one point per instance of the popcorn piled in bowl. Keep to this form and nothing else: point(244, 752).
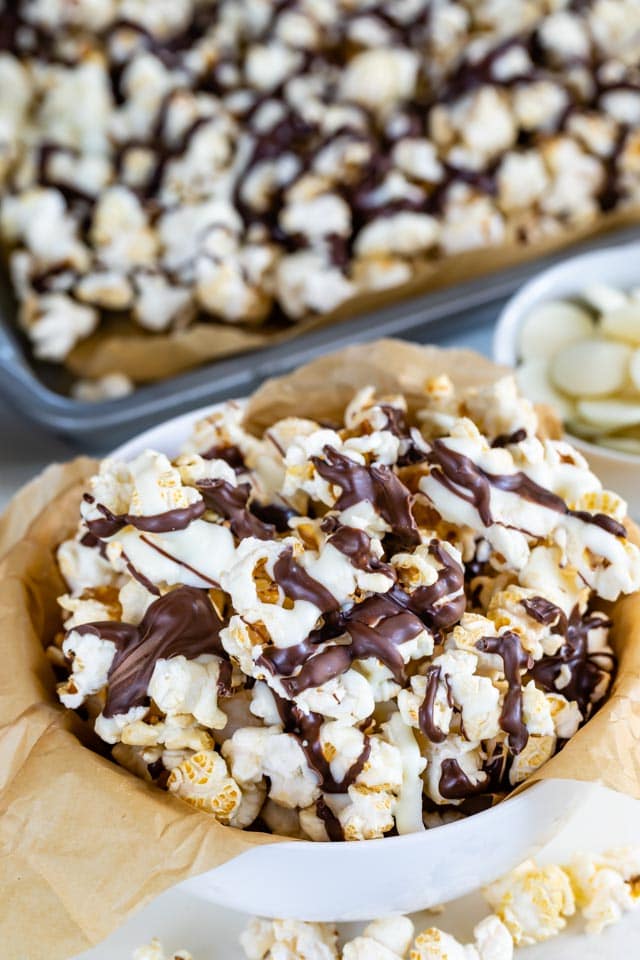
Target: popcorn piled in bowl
point(245, 161)
point(345, 630)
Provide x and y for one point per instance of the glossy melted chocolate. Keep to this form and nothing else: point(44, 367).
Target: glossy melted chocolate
point(167, 522)
point(455, 784)
point(182, 622)
point(585, 669)
point(465, 479)
point(425, 716)
point(379, 485)
point(232, 503)
point(514, 658)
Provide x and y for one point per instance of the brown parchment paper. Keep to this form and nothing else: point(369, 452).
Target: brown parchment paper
point(84, 843)
point(146, 357)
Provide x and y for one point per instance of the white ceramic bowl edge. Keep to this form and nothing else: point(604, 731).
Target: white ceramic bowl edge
point(615, 266)
point(358, 881)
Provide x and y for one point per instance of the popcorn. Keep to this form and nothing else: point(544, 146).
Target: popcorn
point(283, 151)
point(112, 386)
point(379, 78)
point(385, 939)
point(609, 879)
point(56, 323)
point(160, 304)
point(336, 630)
point(155, 951)
point(289, 940)
point(605, 887)
point(120, 231)
point(91, 658)
point(204, 783)
point(533, 902)
point(307, 164)
point(492, 941)
point(307, 282)
point(402, 233)
point(522, 180)
point(181, 686)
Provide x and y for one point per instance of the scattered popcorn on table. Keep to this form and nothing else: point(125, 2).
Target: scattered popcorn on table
point(492, 941)
point(289, 940)
point(341, 632)
point(240, 161)
point(535, 901)
point(532, 904)
point(605, 887)
point(155, 951)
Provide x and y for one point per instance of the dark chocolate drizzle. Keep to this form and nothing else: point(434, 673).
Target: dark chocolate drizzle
point(465, 479)
point(140, 577)
point(182, 622)
point(508, 647)
point(332, 825)
point(273, 514)
point(306, 729)
point(376, 627)
point(378, 485)
point(230, 454)
point(425, 715)
point(167, 522)
point(355, 544)
point(454, 784)
point(586, 669)
point(232, 503)
point(506, 439)
point(298, 585)
point(429, 602)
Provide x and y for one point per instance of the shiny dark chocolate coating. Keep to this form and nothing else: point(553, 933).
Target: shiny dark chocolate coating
point(232, 503)
point(514, 658)
point(181, 623)
point(110, 523)
point(586, 669)
point(467, 480)
point(378, 485)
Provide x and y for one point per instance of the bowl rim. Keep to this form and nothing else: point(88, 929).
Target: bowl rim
point(288, 842)
point(504, 345)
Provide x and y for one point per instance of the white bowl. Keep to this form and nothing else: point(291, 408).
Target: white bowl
point(358, 881)
point(617, 266)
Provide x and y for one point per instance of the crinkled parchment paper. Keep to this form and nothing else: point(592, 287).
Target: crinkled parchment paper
point(83, 842)
point(146, 357)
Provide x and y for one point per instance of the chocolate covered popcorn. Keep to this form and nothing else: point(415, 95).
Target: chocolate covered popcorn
point(345, 630)
point(255, 164)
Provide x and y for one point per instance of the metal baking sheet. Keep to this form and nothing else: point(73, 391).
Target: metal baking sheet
point(431, 318)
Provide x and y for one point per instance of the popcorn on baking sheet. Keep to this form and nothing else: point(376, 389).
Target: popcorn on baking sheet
point(240, 162)
point(342, 631)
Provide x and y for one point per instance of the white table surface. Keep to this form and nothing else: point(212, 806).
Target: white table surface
point(211, 933)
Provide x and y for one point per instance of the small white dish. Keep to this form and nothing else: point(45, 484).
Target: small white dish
point(357, 881)
point(617, 267)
